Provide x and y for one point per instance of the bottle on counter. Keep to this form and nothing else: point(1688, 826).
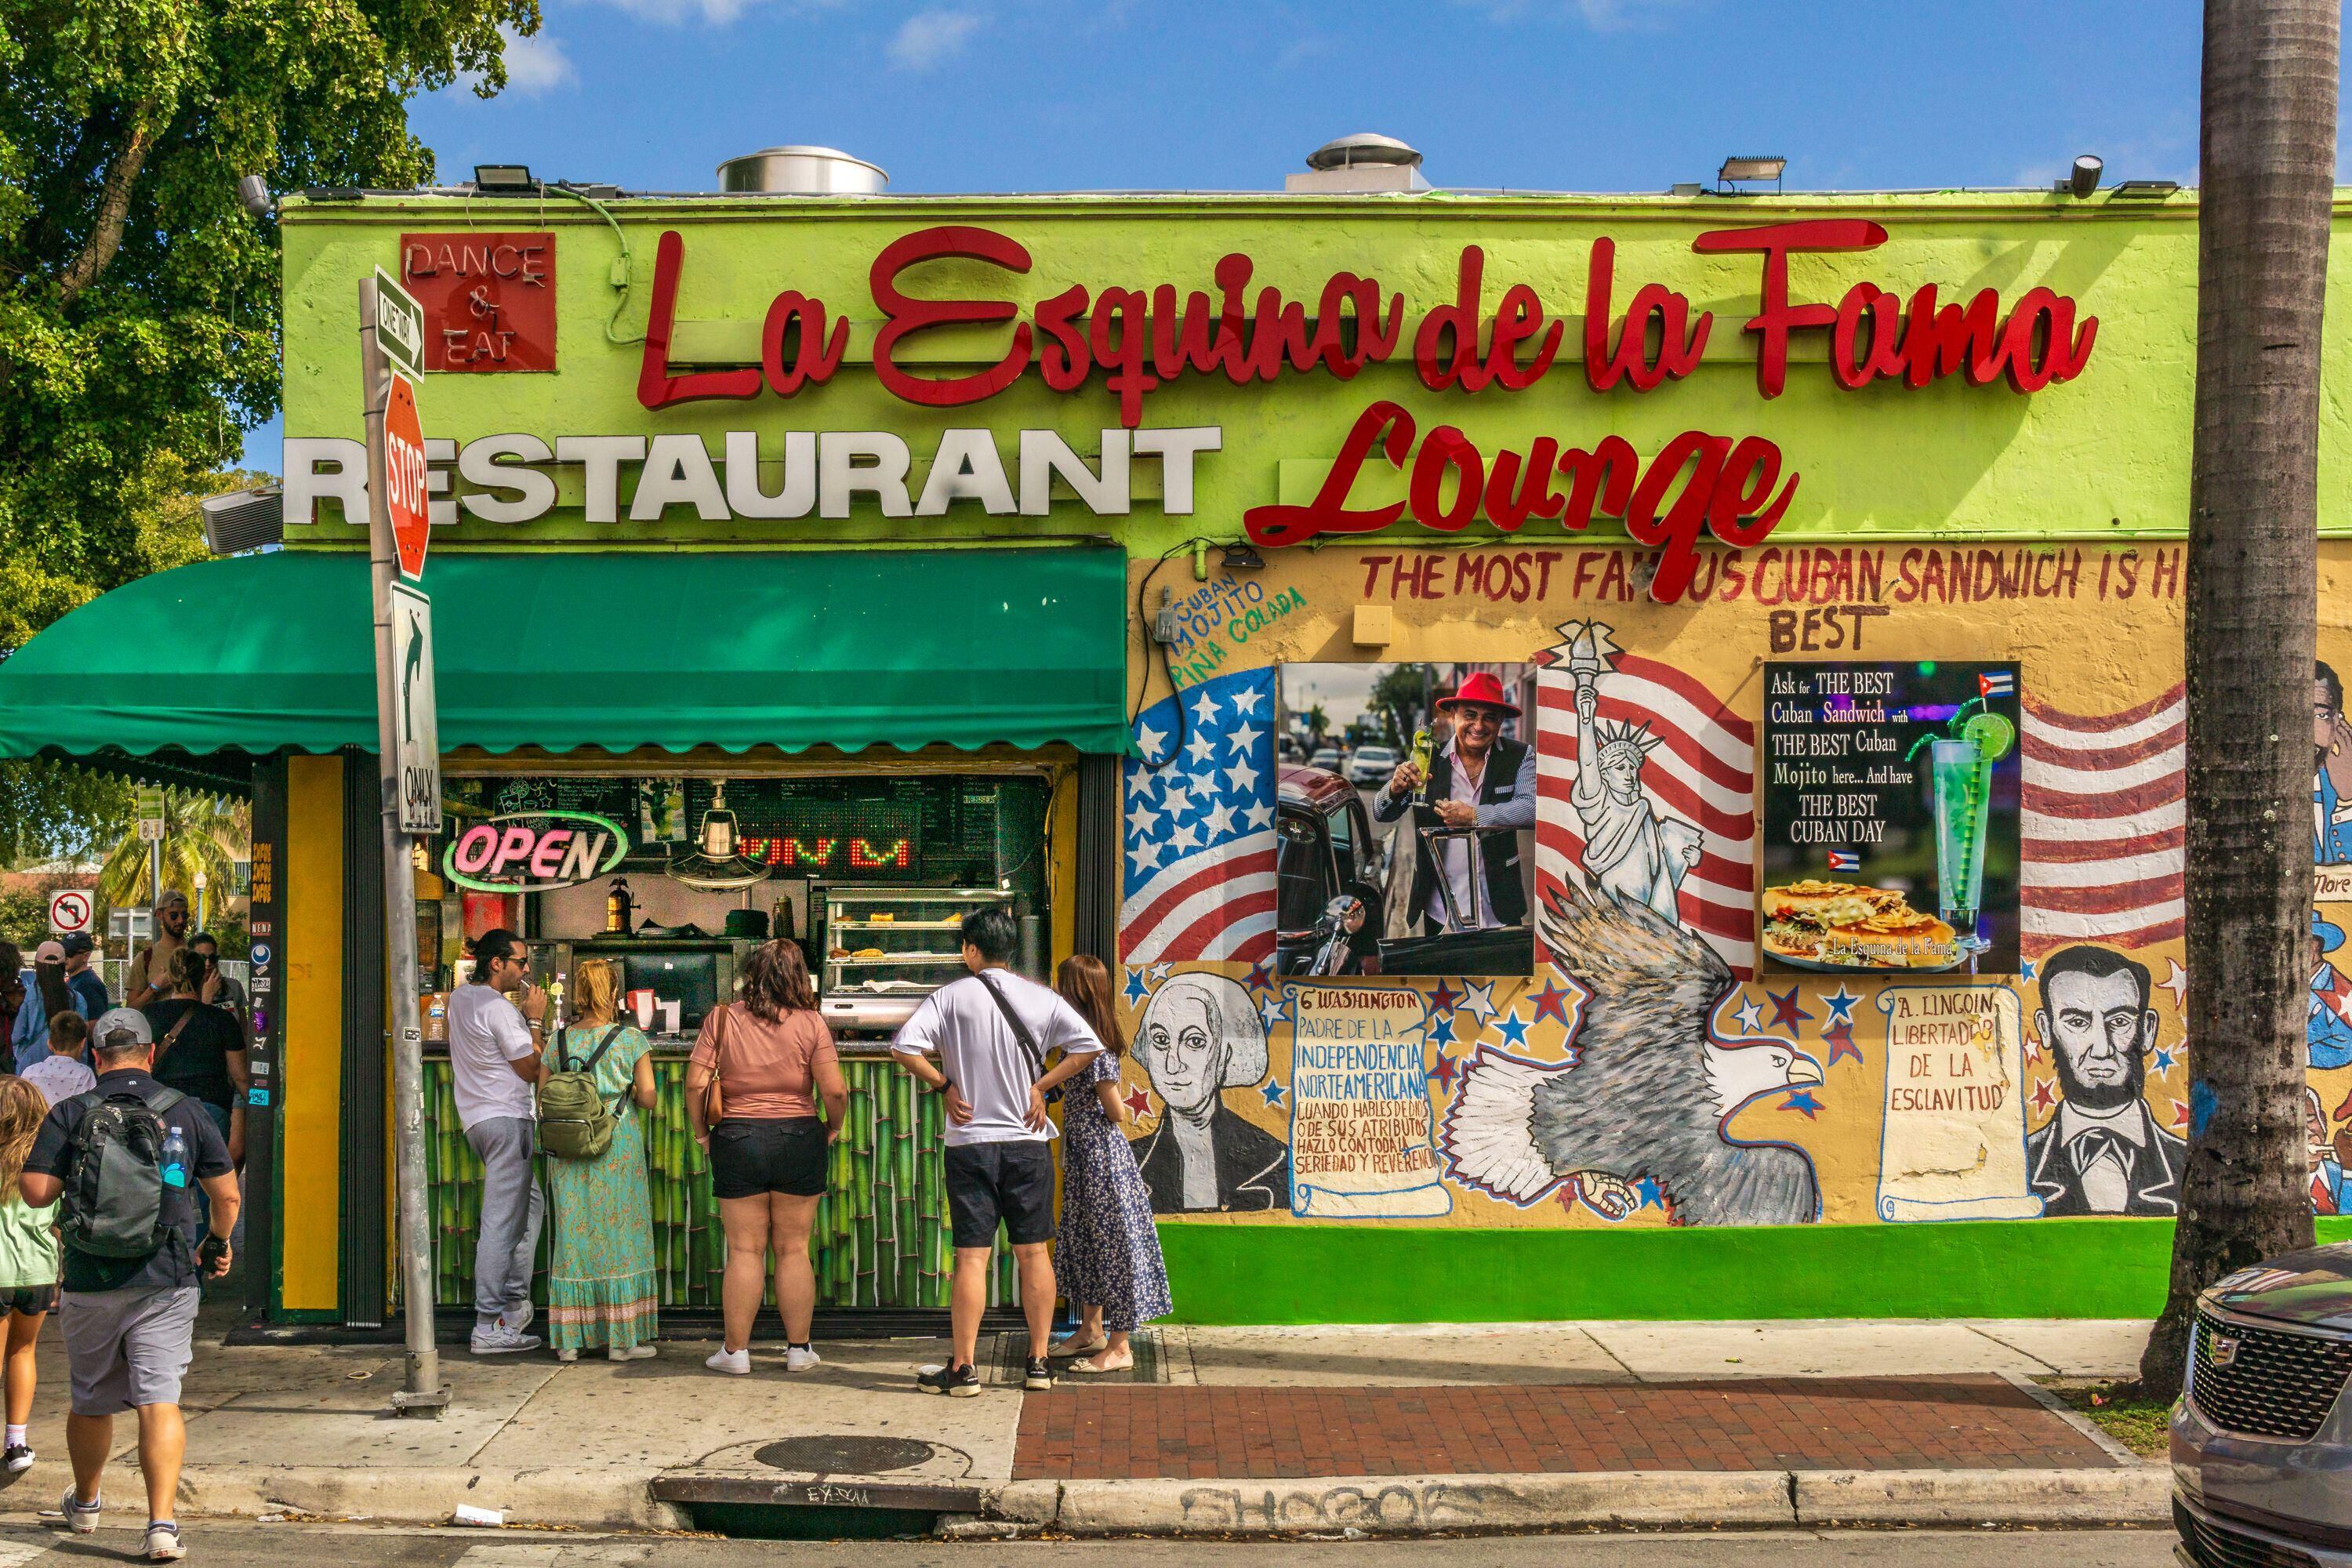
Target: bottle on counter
point(554, 1002)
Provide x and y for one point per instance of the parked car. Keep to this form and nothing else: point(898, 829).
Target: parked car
point(1333, 885)
point(2262, 1438)
point(1326, 758)
point(1371, 766)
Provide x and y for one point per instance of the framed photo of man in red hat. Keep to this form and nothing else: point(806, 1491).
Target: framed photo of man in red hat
point(1469, 806)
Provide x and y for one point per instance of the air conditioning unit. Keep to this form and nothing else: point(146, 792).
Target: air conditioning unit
point(243, 519)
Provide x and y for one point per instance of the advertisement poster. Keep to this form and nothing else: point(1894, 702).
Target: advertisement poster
point(1891, 818)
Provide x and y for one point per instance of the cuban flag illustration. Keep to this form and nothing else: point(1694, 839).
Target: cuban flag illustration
point(1996, 683)
point(1844, 860)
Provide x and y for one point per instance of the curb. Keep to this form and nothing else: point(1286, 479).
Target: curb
point(579, 1496)
point(2140, 1493)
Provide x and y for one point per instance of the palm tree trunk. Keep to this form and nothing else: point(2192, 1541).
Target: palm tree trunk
point(2267, 181)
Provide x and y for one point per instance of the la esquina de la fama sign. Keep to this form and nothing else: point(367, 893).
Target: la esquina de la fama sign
point(1146, 336)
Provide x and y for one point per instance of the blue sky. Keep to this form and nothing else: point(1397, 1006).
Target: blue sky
point(1594, 95)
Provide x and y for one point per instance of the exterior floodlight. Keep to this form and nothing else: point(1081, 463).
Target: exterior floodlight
point(253, 196)
point(2146, 190)
point(2086, 177)
point(1241, 558)
point(503, 177)
point(1741, 170)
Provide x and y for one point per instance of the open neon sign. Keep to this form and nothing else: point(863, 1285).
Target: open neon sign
point(534, 851)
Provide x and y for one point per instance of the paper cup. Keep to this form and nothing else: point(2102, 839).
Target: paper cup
point(641, 1002)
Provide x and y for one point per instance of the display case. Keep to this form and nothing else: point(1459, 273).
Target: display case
point(885, 948)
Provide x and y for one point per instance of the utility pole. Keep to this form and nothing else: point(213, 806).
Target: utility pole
point(421, 1393)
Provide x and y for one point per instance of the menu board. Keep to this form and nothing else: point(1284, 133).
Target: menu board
point(1891, 817)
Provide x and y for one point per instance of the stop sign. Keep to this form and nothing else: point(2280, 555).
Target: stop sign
point(404, 477)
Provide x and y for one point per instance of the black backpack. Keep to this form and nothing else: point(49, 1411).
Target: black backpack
point(114, 1199)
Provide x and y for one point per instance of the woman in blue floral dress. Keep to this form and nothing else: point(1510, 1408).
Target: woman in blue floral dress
point(1107, 1253)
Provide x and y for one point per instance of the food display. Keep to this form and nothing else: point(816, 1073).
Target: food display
point(1846, 925)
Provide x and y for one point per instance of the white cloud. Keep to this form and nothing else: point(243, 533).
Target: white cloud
point(930, 38)
point(536, 64)
point(713, 11)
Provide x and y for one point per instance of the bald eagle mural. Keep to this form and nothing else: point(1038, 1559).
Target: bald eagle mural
point(1639, 1114)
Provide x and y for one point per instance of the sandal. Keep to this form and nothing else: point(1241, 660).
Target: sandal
point(1085, 1368)
point(1074, 1346)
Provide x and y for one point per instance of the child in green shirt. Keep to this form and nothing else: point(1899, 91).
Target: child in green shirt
point(29, 1263)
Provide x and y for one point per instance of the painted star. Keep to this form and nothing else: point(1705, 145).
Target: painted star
point(1444, 999)
point(1220, 820)
point(1841, 1042)
point(1136, 988)
point(2176, 980)
point(1241, 776)
point(1650, 1193)
point(2026, 969)
point(2180, 1113)
point(1261, 975)
point(1200, 747)
point(1272, 1010)
point(1160, 971)
point(1146, 855)
point(1551, 1002)
point(2044, 1097)
point(1174, 801)
point(1841, 1005)
point(1480, 1001)
point(1444, 1070)
point(1514, 1030)
point(1272, 1092)
point(1143, 819)
point(1750, 1016)
point(1205, 709)
point(1802, 1099)
point(2163, 1060)
point(1187, 836)
point(1440, 1033)
point(1786, 1013)
point(1246, 700)
point(1137, 1100)
point(2033, 1046)
point(1147, 739)
point(1257, 816)
point(1240, 737)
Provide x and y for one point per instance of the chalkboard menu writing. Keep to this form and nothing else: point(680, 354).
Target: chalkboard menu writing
point(1890, 817)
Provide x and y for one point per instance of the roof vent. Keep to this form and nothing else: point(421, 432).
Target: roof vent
point(801, 171)
point(1363, 162)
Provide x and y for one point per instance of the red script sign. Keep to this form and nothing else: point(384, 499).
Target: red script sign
point(404, 478)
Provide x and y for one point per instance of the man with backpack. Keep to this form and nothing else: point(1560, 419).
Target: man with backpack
point(991, 1031)
point(126, 1158)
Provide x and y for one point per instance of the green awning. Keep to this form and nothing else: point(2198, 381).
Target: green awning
point(615, 650)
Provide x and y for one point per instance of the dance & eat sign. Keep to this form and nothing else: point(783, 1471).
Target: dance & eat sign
point(1140, 337)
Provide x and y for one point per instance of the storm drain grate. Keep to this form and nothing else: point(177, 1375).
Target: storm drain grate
point(1011, 1358)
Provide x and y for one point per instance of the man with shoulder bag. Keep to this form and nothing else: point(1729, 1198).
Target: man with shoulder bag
point(992, 1032)
point(494, 1056)
point(125, 1157)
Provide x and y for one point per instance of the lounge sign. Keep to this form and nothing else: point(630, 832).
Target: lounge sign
point(534, 852)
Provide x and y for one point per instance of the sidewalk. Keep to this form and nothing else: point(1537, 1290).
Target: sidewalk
point(1408, 1427)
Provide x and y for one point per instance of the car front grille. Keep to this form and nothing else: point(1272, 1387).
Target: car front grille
point(2275, 1383)
point(2216, 1545)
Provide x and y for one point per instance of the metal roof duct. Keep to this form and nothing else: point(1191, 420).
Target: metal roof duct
point(801, 171)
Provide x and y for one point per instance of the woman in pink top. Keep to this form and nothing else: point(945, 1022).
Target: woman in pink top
point(772, 1059)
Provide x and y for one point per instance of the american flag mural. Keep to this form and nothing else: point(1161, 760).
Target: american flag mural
point(2102, 826)
point(1704, 775)
point(1200, 828)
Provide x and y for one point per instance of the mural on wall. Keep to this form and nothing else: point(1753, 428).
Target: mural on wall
point(1638, 1070)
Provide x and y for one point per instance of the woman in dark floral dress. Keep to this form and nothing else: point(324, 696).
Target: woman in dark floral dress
point(1106, 1254)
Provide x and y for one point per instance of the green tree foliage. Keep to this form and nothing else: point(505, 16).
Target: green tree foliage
point(139, 306)
point(201, 833)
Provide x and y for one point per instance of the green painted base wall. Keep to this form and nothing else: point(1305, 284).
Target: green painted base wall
point(1345, 1274)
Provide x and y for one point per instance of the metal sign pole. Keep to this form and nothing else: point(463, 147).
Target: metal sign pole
point(422, 1394)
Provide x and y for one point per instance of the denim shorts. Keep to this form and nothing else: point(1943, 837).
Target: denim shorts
point(751, 1159)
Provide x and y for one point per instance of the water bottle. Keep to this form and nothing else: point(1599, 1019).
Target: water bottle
point(176, 1158)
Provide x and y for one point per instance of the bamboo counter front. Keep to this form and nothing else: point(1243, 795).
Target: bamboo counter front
point(881, 1239)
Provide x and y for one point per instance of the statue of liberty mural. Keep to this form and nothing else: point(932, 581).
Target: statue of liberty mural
point(1629, 849)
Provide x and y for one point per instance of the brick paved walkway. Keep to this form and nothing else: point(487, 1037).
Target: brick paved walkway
point(1959, 1423)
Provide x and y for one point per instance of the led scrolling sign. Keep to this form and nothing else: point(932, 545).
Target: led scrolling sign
point(1137, 340)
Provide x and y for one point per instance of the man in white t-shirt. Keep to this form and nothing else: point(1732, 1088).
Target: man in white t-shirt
point(494, 1050)
point(1000, 1157)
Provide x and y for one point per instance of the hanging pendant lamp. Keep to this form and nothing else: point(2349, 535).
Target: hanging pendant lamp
point(716, 865)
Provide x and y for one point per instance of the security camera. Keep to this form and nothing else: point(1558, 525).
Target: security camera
point(253, 194)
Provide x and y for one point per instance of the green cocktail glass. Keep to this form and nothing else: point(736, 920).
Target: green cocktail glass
point(1963, 778)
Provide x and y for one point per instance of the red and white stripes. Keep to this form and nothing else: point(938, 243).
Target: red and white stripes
point(2102, 829)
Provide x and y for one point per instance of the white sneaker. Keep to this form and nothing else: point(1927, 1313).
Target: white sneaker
point(634, 1352)
point(567, 1356)
point(82, 1518)
point(517, 1318)
point(164, 1543)
point(737, 1362)
point(498, 1339)
point(799, 1358)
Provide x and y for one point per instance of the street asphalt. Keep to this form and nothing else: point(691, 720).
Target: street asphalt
point(308, 1545)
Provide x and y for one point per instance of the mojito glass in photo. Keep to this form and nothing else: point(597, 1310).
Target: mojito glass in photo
point(1963, 778)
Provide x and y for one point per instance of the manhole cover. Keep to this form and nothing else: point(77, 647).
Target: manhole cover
point(844, 1456)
